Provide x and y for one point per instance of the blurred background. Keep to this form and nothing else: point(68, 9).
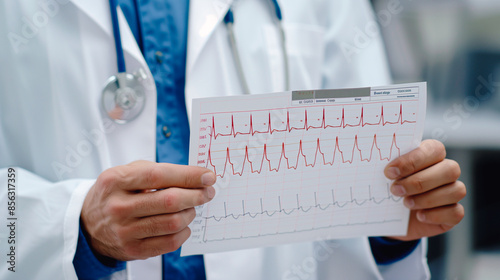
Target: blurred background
point(454, 45)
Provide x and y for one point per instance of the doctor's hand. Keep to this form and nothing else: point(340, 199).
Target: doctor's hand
point(430, 187)
point(125, 219)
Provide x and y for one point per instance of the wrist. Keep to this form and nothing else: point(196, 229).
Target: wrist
point(104, 260)
point(88, 266)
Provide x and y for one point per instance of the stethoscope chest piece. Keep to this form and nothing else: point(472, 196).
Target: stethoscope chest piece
point(123, 97)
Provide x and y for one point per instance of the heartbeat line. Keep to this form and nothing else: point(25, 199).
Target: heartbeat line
point(232, 218)
point(343, 124)
point(304, 209)
point(300, 153)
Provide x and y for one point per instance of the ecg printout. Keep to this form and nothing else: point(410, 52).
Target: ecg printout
point(303, 165)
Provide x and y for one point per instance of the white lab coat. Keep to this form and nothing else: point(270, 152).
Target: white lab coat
point(55, 58)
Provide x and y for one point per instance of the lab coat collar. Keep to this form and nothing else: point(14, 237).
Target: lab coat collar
point(99, 12)
point(204, 17)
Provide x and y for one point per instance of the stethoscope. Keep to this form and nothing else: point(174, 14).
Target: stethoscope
point(123, 97)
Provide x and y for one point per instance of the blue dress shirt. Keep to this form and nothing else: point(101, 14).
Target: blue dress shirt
point(160, 28)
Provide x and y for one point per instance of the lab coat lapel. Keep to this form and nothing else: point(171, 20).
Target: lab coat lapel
point(98, 11)
point(204, 16)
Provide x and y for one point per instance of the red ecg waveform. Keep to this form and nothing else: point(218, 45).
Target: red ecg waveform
point(306, 127)
point(288, 128)
point(299, 154)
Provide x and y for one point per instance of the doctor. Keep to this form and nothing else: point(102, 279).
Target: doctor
point(84, 169)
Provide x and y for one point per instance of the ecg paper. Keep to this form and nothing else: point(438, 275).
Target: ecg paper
point(303, 165)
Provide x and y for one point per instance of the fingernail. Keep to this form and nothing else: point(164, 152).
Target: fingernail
point(211, 192)
point(421, 216)
point(208, 179)
point(393, 172)
point(409, 202)
point(398, 190)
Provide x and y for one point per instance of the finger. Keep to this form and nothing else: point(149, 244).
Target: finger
point(446, 216)
point(442, 173)
point(143, 175)
point(161, 224)
point(164, 175)
point(445, 195)
point(428, 153)
point(155, 246)
point(417, 229)
point(168, 200)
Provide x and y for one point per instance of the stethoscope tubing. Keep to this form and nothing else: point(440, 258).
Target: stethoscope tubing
point(120, 58)
point(229, 22)
point(235, 53)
